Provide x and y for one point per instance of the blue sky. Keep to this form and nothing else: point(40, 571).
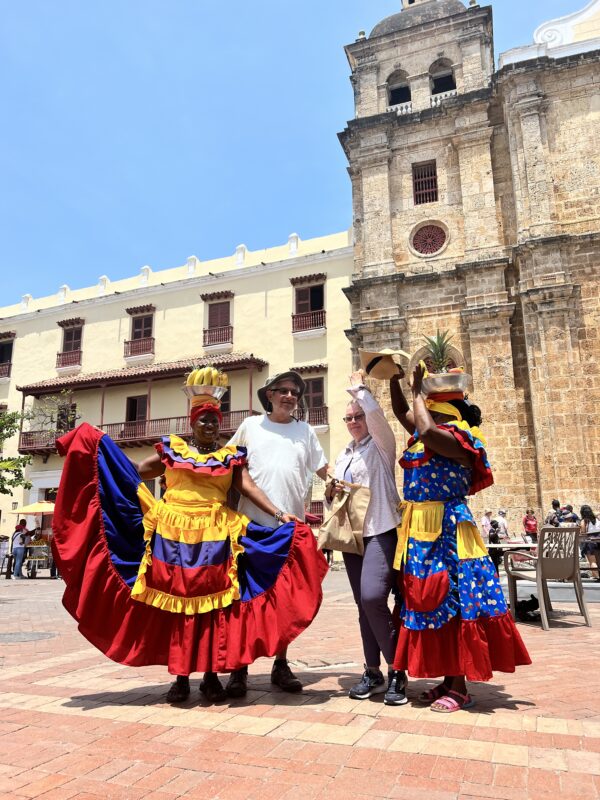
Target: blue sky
point(144, 131)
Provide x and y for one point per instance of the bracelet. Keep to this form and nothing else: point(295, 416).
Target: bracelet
point(278, 515)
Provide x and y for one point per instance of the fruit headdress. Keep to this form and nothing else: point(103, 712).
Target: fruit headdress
point(205, 386)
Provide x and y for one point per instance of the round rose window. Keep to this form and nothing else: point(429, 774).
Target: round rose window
point(429, 239)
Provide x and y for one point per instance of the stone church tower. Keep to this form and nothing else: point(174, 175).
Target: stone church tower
point(476, 205)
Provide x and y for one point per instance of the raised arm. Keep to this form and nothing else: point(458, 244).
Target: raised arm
point(246, 487)
point(378, 426)
point(151, 467)
point(437, 439)
point(400, 405)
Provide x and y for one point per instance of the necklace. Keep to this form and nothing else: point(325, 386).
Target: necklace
point(207, 449)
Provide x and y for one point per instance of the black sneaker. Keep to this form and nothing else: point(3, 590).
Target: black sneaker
point(396, 691)
point(237, 685)
point(212, 688)
point(282, 676)
point(372, 682)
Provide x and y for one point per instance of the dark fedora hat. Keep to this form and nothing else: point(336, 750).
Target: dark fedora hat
point(274, 380)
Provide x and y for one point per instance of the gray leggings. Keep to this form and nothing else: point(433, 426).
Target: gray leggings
point(371, 578)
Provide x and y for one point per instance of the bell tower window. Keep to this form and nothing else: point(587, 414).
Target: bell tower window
point(425, 183)
point(398, 89)
point(441, 77)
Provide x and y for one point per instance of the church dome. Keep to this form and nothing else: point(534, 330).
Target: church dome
point(417, 15)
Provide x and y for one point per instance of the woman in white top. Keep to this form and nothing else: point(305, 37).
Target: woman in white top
point(590, 525)
point(370, 459)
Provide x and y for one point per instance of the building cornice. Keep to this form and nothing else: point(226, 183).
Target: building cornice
point(184, 284)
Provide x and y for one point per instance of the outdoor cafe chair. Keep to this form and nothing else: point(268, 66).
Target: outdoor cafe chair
point(557, 559)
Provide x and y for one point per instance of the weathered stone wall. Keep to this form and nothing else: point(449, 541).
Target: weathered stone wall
point(518, 283)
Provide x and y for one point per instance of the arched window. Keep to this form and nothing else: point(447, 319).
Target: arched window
point(398, 88)
point(441, 77)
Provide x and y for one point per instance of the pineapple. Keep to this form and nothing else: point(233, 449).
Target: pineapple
point(438, 358)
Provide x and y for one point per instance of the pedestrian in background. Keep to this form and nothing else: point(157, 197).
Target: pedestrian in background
point(20, 539)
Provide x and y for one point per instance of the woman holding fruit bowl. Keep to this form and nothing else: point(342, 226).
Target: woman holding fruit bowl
point(454, 621)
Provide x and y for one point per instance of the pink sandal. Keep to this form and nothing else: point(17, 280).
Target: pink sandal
point(453, 701)
point(431, 695)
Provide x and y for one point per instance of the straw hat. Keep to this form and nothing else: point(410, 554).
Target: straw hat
point(382, 364)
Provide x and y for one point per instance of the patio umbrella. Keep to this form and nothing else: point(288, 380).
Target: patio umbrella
point(41, 507)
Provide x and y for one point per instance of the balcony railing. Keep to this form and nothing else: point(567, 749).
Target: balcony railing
point(37, 442)
point(308, 321)
point(222, 335)
point(5, 369)
point(70, 358)
point(401, 108)
point(139, 347)
point(437, 99)
point(138, 432)
point(315, 416)
point(148, 430)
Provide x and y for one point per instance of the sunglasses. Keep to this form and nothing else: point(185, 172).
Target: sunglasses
point(284, 392)
point(353, 417)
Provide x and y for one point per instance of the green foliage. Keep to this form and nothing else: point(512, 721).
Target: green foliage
point(438, 347)
point(12, 468)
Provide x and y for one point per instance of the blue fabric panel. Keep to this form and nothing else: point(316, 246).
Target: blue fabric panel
point(179, 554)
point(118, 482)
point(265, 553)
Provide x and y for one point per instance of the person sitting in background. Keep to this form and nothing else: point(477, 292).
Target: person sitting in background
point(554, 517)
point(502, 524)
point(486, 526)
point(590, 524)
point(530, 526)
point(569, 517)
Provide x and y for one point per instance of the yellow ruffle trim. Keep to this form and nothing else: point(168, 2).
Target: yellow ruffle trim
point(422, 521)
point(210, 522)
point(474, 430)
point(181, 447)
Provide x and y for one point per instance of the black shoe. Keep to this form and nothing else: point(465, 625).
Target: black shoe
point(372, 682)
point(282, 676)
point(212, 688)
point(179, 691)
point(237, 685)
point(396, 691)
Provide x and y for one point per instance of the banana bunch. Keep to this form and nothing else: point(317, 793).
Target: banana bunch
point(206, 376)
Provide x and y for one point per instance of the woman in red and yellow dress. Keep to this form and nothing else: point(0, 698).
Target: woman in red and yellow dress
point(454, 620)
point(185, 581)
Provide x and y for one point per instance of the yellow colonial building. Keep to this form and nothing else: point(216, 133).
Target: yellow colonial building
point(115, 354)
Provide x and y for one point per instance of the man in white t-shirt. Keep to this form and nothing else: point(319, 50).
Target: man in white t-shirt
point(283, 455)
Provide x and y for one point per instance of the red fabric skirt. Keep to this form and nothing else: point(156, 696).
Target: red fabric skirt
point(470, 648)
point(138, 634)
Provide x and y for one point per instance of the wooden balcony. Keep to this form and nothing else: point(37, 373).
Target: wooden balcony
point(310, 321)
point(132, 434)
point(37, 443)
point(5, 369)
point(315, 416)
point(70, 358)
point(214, 336)
point(139, 347)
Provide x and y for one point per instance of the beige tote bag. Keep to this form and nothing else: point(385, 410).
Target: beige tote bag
point(342, 530)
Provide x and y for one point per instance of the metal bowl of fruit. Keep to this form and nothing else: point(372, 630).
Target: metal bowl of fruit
point(446, 382)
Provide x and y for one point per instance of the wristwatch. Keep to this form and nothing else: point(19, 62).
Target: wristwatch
point(278, 515)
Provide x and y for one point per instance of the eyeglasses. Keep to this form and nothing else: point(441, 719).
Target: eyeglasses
point(284, 392)
point(353, 417)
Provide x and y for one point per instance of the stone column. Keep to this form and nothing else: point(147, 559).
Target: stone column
point(556, 391)
point(376, 215)
point(495, 392)
point(540, 213)
point(482, 229)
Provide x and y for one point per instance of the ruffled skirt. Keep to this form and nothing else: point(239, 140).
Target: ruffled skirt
point(99, 546)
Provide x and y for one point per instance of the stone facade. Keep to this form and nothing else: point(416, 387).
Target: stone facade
point(516, 279)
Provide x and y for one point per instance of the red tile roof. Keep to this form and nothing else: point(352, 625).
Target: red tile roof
point(168, 369)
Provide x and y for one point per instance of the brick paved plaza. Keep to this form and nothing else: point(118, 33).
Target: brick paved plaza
point(74, 725)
